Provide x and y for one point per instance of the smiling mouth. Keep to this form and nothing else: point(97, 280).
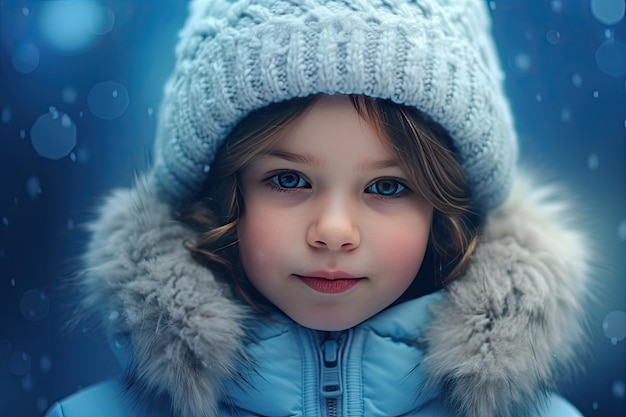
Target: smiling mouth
point(329, 286)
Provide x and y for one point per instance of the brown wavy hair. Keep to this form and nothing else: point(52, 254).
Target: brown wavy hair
point(423, 149)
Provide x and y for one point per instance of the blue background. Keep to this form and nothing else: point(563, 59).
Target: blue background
point(565, 68)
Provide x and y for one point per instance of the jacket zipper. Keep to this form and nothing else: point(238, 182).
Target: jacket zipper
point(331, 384)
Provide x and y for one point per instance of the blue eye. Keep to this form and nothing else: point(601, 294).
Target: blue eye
point(386, 188)
point(288, 180)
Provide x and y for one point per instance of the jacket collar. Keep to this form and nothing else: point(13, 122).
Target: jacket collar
point(497, 339)
point(370, 369)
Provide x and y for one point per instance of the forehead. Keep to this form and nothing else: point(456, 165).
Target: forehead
point(333, 126)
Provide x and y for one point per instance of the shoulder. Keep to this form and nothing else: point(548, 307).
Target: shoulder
point(555, 406)
point(108, 398)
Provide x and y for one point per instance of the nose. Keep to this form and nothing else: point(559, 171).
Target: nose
point(334, 227)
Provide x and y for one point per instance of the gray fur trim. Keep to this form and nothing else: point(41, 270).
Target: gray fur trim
point(184, 329)
point(495, 341)
point(503, 332)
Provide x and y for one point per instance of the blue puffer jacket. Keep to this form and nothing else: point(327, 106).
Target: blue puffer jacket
point(369, 370)
point(488, 345)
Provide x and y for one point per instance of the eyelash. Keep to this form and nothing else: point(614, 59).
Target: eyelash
point(403, 189)
point(273, 182)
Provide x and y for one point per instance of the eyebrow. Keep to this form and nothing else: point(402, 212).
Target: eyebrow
point(296, 158)
point(312, 160)
point(374, 165)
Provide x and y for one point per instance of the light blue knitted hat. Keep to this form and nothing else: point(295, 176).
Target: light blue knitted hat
point(237, 56)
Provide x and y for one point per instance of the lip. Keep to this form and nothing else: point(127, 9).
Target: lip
point(329, 275)
point(329, 282)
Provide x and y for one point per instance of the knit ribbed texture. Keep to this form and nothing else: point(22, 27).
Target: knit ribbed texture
point(237, 56)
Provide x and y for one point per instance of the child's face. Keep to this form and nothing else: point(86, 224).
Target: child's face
point(329, 234)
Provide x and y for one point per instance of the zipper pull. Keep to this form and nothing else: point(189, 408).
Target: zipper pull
point(330, 381)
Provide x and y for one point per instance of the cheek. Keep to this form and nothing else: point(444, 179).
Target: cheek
point(403, 248)
point(252, 245)
point(259, 236)
point(407, 254)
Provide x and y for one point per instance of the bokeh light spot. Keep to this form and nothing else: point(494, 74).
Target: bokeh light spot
point(34, 305)
point(608, 12)
point(611, 58)
point(53, 135)
point(593, 162)
point(107, 21)
point(614, 325)
point(19, 363)
point(556, 5)
point(520, 61)
point(42, 404)
point(45, 363)
point(108, 100)
point(577, 80)
point(69, 94)
point(71, 25)
point(618, 389)
point(25, 58)
point(553, 37)
point(6, 115)
point(27, 383)
point(33, 187)
point(566, 115)
point(82, 156)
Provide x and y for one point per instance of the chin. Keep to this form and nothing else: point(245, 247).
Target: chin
point(328, 325)
point(329, 328)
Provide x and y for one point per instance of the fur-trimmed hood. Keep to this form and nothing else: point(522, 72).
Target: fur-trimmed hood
point(496, 341)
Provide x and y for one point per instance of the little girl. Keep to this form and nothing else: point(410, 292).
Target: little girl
point(333, 225)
